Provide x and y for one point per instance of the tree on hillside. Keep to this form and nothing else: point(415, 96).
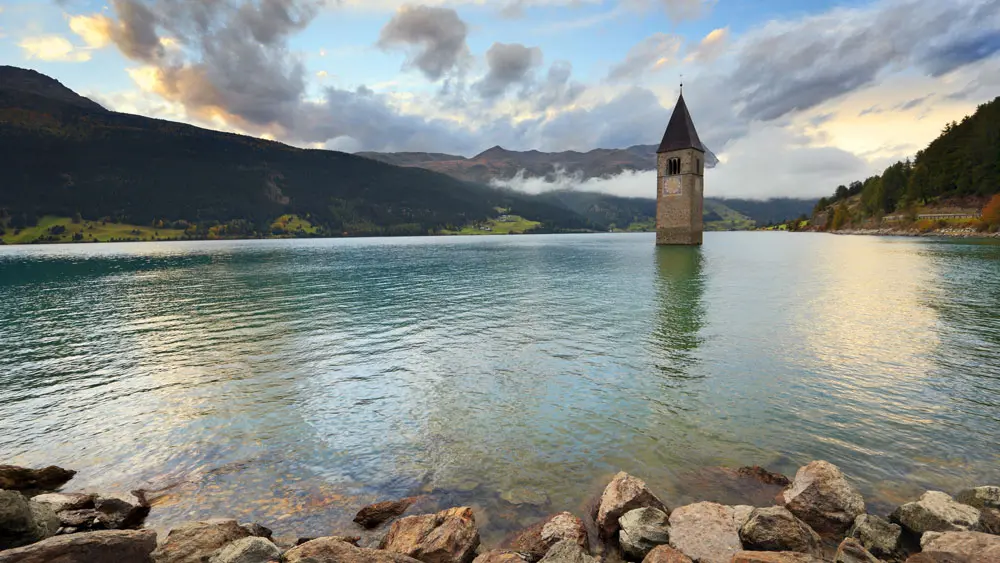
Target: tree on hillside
point(840, 217)
point(917, 184)
point(872, 196)
point(841, 193)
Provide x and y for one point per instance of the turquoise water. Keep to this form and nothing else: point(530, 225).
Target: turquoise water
point(292, 381)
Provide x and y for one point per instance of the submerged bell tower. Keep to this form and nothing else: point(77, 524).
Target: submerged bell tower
point(680, 181)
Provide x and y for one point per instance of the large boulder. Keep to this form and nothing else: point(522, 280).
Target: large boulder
point(879, 536)
point(851, 551)
point(248, 550)
point(23, 522)
point(14, 478)
point(450, 536)
point(987, 500)
point(622, 494)
point(822, 497)
point(666, 554)
point(374, 514)
point(119, 512)
point(132, 546)
point(980, 497)
point(935, 511)
point(536, 540)
point(197, 542)
point(974, 547)
point(641, 530)
point(59, 502)
point(777, 529)
point(568, 551)
point(501, 556)
point(333, 550)
point(705, 531)
point(774, 557)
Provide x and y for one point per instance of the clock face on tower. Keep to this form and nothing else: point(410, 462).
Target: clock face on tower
point(671, 186)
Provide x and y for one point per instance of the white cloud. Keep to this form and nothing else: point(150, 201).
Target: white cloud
point(710, 47)
point(52, 48)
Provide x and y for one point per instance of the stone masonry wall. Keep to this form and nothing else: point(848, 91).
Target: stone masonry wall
point(679, 215)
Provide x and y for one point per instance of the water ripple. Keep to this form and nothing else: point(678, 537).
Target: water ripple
point(310, 375)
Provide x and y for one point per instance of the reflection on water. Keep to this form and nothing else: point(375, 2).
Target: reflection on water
point(679, 310)
point(293, 381)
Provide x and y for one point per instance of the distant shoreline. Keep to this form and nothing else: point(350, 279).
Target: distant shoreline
point(944, 233)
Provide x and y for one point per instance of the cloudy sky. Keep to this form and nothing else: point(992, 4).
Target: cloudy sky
point(794, 96)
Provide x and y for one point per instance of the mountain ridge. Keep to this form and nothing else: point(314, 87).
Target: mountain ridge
point(66, 156)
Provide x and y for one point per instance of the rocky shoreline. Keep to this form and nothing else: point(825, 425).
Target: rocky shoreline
point(817, 517)
point(949, 233)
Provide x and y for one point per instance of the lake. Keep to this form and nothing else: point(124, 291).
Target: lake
point(293, 381)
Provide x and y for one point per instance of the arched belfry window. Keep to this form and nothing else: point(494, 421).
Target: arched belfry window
point(674, 166)
point(697, 165)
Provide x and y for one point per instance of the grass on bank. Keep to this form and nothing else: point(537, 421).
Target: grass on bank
point(510, 224)
point(54, 229)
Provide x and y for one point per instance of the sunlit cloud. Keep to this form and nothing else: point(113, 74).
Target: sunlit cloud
point(52, 48)
point(94, 30)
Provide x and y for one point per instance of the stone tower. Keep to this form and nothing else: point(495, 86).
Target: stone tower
point(680, 181)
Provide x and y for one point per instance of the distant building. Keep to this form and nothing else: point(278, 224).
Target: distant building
point(680, 181)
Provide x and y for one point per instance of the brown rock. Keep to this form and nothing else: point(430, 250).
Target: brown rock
point(976, 547)
point(879, 536)
point(332, 550)
point(568, 552)
point(258, 530)
point(622, 494)
point(777, 529)
point(536, 540)
point(774, 557)
point(989, 520)
point(763, 475)
point(935, 511)
point(375, 514)
point(14, 478)
point(120, 513)
point(248, 550)
point(132, 546)
point(86, 518)
point(666, 554)
point(288, 542)
point(196, 542)
point(450, 536)
point(822, 497)
point(980, 497)
point(66, 501)
point(705, 531)
point(641, 530)
point(501, 556)
point(851, 551)
point(936, 558)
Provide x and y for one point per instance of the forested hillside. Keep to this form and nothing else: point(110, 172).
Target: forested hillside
point(66, 156)
point(958, 170)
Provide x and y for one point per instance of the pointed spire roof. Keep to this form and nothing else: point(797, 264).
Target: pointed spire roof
point(680, 132)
